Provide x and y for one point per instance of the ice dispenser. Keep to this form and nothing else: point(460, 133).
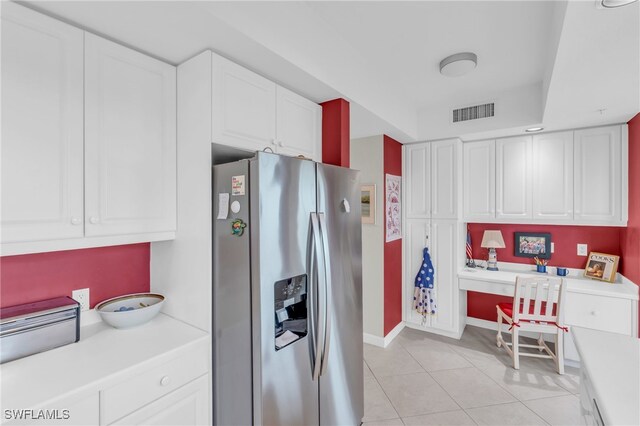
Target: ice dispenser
point(290, 310)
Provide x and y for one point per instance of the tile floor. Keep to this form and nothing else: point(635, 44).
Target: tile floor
point(425, 379)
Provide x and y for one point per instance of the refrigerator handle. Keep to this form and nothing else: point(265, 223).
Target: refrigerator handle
point(328, 293)
point(317, 280)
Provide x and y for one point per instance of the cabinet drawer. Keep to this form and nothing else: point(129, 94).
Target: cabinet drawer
point(598, 312)
point(129, 395)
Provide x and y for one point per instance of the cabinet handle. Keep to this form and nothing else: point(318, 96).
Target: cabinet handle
point(76, 221)
point(280, 143)
point(93, 220)
point(273, 142)
point(165, 381)
point(594, 313)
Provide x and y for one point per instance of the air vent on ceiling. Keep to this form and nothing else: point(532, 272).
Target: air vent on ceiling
point(473, 112)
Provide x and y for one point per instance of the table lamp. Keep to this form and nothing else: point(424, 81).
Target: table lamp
point(492, 240)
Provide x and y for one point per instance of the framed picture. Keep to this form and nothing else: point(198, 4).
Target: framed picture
point(602, 266)
point(368, 203)
point(530, 244)
point(393, 221)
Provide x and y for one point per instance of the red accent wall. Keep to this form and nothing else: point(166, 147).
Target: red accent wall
point(565, 238)
point(335, 132)
point(630, 236)
point(392, 158)
point(106, 271)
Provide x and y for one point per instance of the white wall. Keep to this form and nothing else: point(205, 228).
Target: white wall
point(367, 156)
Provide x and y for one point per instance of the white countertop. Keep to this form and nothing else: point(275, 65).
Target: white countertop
point(612, 363)
point(621, 288)
point(103, 354)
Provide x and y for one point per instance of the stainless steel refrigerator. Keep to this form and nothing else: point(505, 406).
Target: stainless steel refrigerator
point(287, 293)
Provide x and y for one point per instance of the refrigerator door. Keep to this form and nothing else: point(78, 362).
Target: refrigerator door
point(232, 390)
point(341, 379)
point(283, 198)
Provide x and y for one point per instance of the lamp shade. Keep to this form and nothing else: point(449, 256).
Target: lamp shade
point(492, 239)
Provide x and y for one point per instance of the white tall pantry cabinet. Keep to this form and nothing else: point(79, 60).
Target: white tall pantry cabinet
point(432, 190)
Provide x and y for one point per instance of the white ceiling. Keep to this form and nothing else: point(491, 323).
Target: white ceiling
point(542, 62)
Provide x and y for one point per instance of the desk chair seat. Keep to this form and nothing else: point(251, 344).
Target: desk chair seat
point(543, 296)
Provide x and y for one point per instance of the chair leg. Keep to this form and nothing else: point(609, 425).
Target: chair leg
point(515, 347)
point(560, 351)
point(499, 335)
point(540, 343)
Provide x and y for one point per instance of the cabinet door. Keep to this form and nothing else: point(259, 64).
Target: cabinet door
point(417, 180)
point(42, 141)
point(416, 238)
point(553, 177)
point(513, 178)
point(479, 186)
point(298, 125)
point(444, 254)
point(445, 179)
point(598, 177)
point(188, 405)
point(130, 141)
point(244, 107)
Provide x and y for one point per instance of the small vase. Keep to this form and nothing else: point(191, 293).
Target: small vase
point(542, 268)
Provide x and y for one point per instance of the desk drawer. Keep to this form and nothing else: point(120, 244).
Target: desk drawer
point(131, 394)
point(598, 312)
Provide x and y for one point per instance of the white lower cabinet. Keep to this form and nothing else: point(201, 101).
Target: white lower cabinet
point(188, 405)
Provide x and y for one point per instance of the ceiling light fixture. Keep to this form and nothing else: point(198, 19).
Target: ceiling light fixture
point(458, 64)
point(611, 4)
point(534, 129)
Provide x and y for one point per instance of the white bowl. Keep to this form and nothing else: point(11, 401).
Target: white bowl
point(130, 310)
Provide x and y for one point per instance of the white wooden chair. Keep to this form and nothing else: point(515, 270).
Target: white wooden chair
point(536, 307)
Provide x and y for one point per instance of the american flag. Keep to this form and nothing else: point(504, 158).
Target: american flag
point(469, 251)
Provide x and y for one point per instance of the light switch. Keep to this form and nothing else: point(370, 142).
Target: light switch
point(553, 247)
point(582, 249)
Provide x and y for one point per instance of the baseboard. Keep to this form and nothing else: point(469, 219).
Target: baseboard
point(435, 331)
point(383, 342)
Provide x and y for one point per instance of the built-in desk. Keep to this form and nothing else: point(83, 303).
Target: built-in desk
point(592, 304)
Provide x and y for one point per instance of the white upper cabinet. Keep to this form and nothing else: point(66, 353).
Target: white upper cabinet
point(417, 180)
point(244, 107)
point(445, 170)
point(298, 125)
point(130, 141)
point(574, 177)
point(553, 177)
point(42, 140)
point(600, 176)
point(479, 175)
point(513, 178)
point(251, 112)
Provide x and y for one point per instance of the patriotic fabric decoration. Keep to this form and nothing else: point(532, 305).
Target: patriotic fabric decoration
point(424, 297)
point(470, 262)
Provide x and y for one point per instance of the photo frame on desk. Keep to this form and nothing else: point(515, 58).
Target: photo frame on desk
point(532, 244)
point(601, 266)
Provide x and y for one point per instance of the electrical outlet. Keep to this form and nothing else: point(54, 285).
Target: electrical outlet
point(553, 247)
point(81, 296)
point(582, 249)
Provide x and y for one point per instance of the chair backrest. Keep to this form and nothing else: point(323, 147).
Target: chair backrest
point(539, 299)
